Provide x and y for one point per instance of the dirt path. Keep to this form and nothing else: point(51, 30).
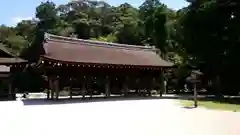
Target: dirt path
point(137, 117)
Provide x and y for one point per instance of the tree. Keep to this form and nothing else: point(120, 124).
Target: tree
point(147, 10)
point(160, 35)
point(209, 31)
point(26, 29)
point(46, 12)
point(128, 30)
point(16, 43)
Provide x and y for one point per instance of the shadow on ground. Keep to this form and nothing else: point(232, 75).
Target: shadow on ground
point(188, 107)
point(80, 100)
point(229, 100)
point(212, 98)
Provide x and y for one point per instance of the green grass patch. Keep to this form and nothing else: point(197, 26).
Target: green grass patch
point(212, 105)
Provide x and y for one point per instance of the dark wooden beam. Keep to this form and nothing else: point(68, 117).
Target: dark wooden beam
point(83, 89)
point(56, 85)
point(51, 87)
point(107, 87)
point(125, 86)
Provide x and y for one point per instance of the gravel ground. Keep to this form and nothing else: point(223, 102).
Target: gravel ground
point(133, 117)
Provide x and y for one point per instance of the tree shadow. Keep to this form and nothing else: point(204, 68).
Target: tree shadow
point(228, 100)
point(212, 98)
point(29, 102)
point(188, 107)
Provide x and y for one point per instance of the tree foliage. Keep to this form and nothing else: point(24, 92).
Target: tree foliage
point(97, 20)
point(203, 35)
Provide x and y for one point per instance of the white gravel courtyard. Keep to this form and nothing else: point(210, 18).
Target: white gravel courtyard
point(133, 117)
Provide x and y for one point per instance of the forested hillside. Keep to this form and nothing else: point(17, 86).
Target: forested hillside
point(204, 35)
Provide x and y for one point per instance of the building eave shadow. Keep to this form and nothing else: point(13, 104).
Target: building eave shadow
point(29, 102)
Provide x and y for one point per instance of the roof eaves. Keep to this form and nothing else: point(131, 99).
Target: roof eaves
point(4, 49)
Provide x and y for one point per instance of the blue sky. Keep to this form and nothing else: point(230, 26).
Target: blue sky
point(13, 11)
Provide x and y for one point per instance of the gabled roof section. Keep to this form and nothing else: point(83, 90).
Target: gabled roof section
point(8, 58)
point(73, 50)
point(4, 68)
point(6, 51)
point(9, 61)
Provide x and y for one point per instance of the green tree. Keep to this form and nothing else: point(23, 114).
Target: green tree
point(26, 29)
point(46, 12)
point(209, 31)
point(128, 30)
point(160, 35)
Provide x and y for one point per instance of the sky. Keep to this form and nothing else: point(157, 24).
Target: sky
point(13, 11)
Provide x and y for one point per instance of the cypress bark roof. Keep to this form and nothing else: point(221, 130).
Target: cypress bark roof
point(7, 57)
point(7, 61)
point(6, 52)
point(73, 50)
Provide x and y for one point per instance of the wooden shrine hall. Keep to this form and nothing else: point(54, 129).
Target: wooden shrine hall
point(10, 65)
point(101, 67)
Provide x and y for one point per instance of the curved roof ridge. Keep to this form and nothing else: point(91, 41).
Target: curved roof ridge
point(69, 39)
